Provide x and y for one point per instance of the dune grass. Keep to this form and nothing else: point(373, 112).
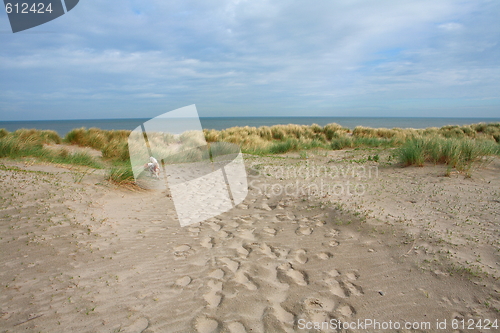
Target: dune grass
point(112, 143)
point(78, 158)
point(284, 138)
point(3, 132)
point(456, 146)
point(413, 152)
point(30, 143)
point(279, 139)
point(461, 153)
point(121, 173)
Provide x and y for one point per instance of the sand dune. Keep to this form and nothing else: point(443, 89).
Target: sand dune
point(90, 257)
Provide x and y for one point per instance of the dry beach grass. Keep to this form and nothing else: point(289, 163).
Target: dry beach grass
point(414, 244)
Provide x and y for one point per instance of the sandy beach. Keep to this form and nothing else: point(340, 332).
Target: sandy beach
point(250, 166)
point(411, 247)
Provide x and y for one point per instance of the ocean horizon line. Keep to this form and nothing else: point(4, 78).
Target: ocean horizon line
point(63, 126)
point(245, 117)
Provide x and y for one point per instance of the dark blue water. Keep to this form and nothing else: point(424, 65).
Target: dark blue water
point(64, 126)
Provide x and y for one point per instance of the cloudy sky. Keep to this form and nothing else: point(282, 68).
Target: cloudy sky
point(138, 59)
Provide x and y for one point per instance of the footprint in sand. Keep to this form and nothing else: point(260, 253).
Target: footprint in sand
point(318, 309)
point(352, 275)
point(232, 224)
point(280, 252)
point(215, 226)
point(319, 316)
point(336, 288)
point(283, 315)
point(318, 304)
point(341, 287)
point(353, 289)
point(213, 297)
point(233, 265)
point(283, 217)
point(183, 281)
point(217, 274)
point(236, 327)
point(207, 242)
point(304, 231)
point(206, 325)
point(263, 206)
point(242, 206)
point(346, 311)
point(242, 251)
point(247, 219)
point(243, 278)
point(270, 231)
point(273, 320)
point(256, 217)
point(246, 234)
point(300, 256)
point(267, 250)
point(333, 243)
point(182, 248)
point(223, 234)
point(287, 270)
point(333, 273)
point(324, 255)
point(215, 285)
point(182, 251)
point(332, 233)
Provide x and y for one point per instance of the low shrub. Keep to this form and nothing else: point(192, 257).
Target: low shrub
point(455, 152)
point(121, 174)
point(413, 152)
point(341, 143)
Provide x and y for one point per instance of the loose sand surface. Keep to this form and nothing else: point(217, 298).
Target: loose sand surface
point(81, 255)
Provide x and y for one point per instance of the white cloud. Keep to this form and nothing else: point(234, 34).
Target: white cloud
point(250, 55)
point(451, 26)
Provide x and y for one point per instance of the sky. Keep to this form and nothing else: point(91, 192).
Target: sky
point(139, 59)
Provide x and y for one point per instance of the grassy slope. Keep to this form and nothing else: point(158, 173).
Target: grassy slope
point(456, 146)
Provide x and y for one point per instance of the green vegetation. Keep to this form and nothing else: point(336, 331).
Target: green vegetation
point(121, 173)
point(78, 158)
point(461, 153)
point(280, 139)
point(3, 132)
point(459, 147)
point(30, 143)
point(112, 144)
point(413, 152)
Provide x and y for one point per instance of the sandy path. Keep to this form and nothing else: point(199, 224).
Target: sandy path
point(92, 258)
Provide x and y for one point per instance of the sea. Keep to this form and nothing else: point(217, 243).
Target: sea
point(62, 127)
